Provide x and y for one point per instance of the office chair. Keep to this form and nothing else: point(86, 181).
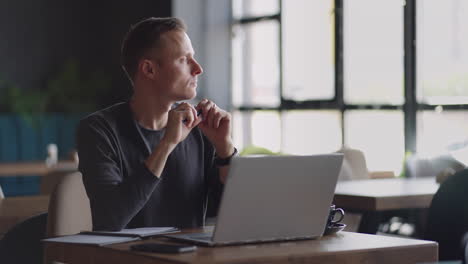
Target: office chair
point(69, 209)
point(52, 178)
point(431, 167)
point(355, 168)
point(22, 243)
point(354, 165)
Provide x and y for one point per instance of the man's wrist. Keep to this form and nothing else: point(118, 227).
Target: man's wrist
point(225, 150)
point(220, 162)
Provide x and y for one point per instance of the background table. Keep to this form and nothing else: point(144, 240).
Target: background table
point(373, 196)
point(38, 168)
point(25, 178)
point(343, 247)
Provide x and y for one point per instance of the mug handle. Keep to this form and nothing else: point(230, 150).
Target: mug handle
point(342, 214)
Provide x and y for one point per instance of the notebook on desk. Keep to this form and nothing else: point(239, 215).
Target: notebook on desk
point(273, 198)
point(141, 232)
point(101, 238)
point(86, 239)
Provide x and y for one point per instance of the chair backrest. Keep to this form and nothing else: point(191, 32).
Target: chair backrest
point(432, 166)
point(52, 178)
point(354, 165)
point(22, 243)
point(69, 209)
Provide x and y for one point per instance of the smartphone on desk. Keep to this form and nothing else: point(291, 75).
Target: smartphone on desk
point(163, 248)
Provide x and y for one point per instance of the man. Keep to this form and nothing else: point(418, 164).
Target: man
point(149, 161)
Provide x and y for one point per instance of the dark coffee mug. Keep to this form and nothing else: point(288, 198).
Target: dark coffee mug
point(333, 213)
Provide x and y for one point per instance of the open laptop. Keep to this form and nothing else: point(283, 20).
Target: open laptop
point(273, 198)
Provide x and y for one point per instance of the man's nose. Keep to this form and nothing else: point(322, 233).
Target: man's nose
point(197, 68)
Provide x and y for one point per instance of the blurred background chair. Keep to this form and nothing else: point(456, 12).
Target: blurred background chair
point(55, 175)
point(68, 213)
point(447, 220)
point(354, 167)
point(22, 243)
point(69, 209)
point(440, 166)
point(50, 180)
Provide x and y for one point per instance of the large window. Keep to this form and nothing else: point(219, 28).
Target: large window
point(312, 75)
point(256, 73)
point(373, 52)
point(442, 51)
point(442, 72)
point(308, 50)
point(379, 133)
point(373, 76)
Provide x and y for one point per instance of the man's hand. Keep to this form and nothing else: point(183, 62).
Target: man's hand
point(216, 126)
point(180, 122)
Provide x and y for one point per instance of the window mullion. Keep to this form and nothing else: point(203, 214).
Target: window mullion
point(410, 105)
point(339, 65)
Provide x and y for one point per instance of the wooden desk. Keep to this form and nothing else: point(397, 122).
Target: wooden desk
point(16, 209)
point(38, 168)
point(343, 247)
point(373, 196)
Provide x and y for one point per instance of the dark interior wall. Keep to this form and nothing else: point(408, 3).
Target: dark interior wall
point(38, 37)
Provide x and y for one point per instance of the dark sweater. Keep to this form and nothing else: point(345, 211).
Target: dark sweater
point(123, 193)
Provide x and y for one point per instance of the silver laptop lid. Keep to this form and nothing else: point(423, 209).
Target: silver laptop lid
point(277, 197)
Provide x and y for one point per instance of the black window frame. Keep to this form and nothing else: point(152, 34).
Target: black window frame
point(410, 106)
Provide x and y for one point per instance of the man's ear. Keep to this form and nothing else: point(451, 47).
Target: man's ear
point(148, 68)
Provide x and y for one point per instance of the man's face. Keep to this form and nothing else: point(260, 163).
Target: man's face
point(177, 68)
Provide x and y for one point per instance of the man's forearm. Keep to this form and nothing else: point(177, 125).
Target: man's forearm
point(224, 150)
point(157, 160)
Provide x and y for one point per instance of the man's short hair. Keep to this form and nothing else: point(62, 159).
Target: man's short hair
point(144, 36)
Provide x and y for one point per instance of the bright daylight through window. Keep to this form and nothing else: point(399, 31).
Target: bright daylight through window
point(309, 76)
